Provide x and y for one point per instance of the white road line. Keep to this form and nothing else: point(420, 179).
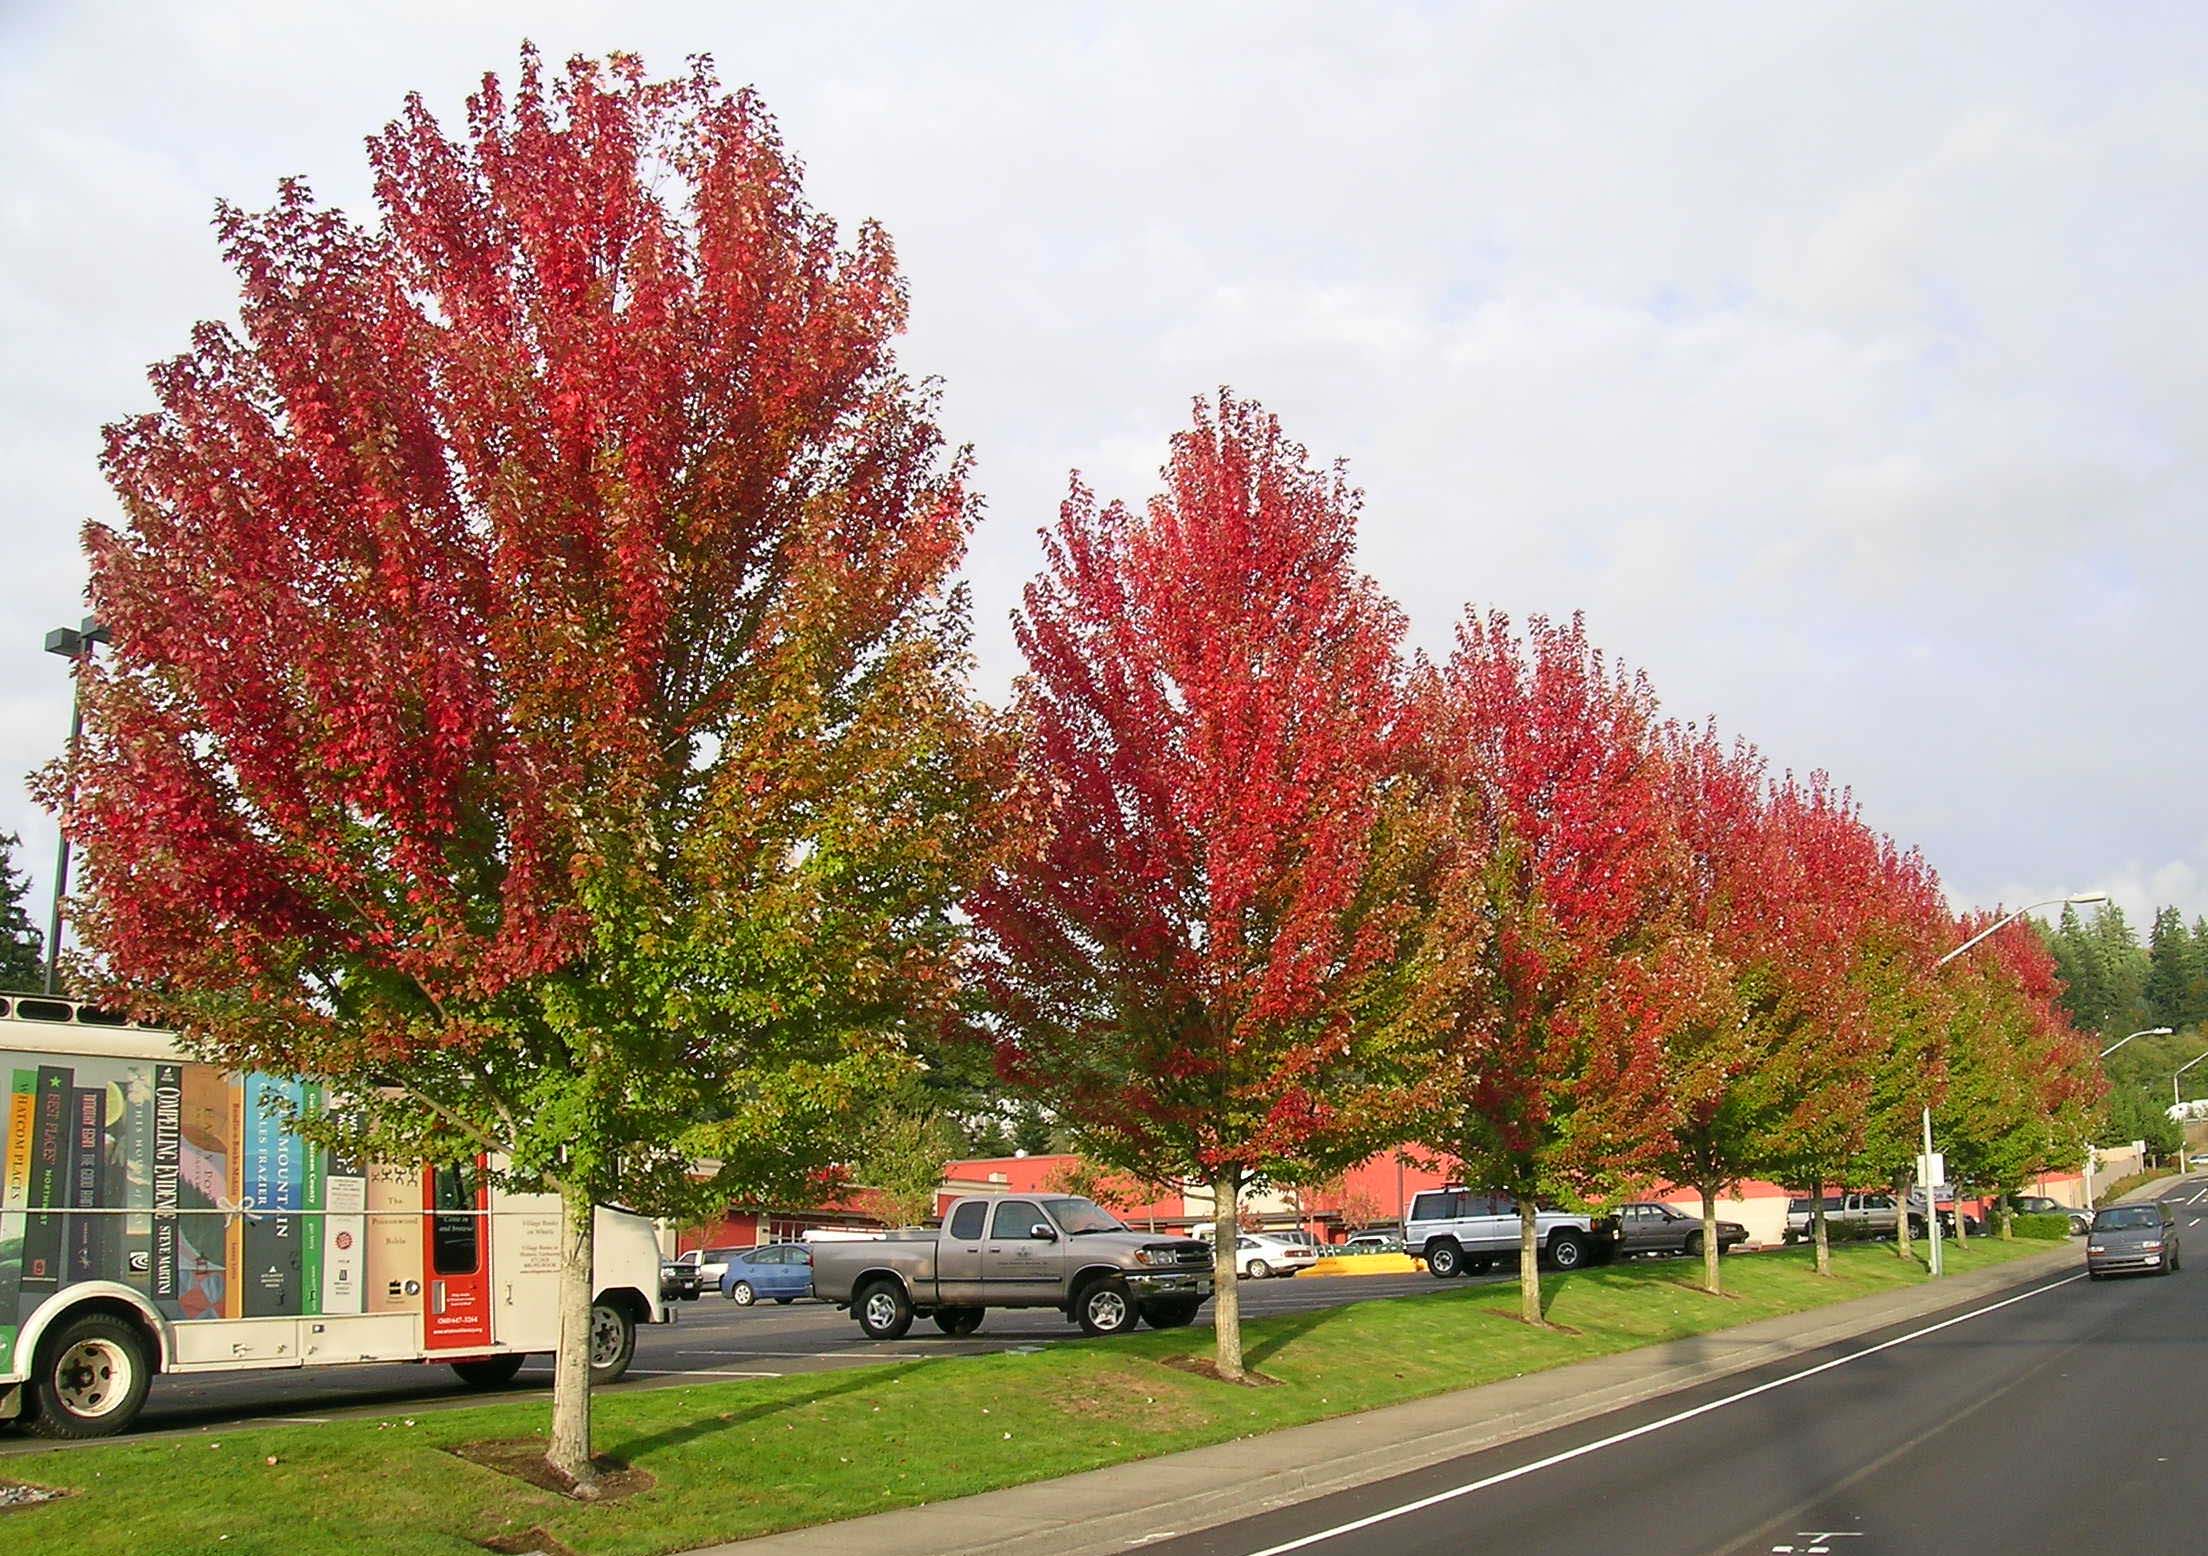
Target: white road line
point(697, 1372)
point(1644, 1430)
point(2196, 1198)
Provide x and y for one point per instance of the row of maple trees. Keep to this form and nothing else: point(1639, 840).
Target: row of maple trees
point(1299, 895)
point(540, 707)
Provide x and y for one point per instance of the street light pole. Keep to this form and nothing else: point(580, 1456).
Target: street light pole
point(74, 644)
point(2143, 1032)
point(2176, 1100)
point(1935, 1264)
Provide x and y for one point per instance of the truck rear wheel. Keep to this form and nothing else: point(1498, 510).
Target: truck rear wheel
point(958, 1322)
point(1567, 1250)
point(490, 1372)
point(884, 1311)
point(1105, 1307)
point(90, 1379)
point(1444, 1260)
point(612, 1341)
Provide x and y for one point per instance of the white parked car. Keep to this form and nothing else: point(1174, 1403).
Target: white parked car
point(1259, 1256)
point(711, 1264)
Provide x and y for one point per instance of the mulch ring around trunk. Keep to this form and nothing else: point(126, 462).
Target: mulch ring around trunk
point(523, 1458)
point(1205, 1367)
point(14, 1493)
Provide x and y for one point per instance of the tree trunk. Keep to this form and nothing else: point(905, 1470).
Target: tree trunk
point(1961, 1236)
point(1818, 1235)
point(1529, 1262)
point(569, 1452)
point(1710, 1248)
point(1226, 1295)
point(2007, 1214)
point(1904, 1245)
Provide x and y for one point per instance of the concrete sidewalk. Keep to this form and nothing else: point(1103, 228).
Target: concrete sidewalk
point(1129, 1505)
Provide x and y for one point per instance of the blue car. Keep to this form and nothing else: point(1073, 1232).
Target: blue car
point(783, 1271)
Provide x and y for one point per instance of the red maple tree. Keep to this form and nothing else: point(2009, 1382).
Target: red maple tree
point(1550, 1079)
point(1228, 929)
point(536, 675)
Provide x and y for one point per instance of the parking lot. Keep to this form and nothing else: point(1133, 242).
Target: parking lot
point(711, 1339)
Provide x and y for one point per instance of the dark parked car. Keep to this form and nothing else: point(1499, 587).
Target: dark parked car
point(2041, 1205)
point(783, 1271)
point(677, 1282)
point(2132, 1237)
point(1651, 1227)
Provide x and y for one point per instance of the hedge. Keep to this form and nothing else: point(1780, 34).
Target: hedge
point(2049, 1228)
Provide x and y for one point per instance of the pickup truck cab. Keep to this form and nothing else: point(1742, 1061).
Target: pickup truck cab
point(1035, 1251)
point(1464, 1231)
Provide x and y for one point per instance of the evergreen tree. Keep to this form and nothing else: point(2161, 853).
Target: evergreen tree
point(22, 946)
point(2196, 978)
point(2170, 971)
point(2125, 964)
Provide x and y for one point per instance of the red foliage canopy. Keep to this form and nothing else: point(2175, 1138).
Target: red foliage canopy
point(1210, 943)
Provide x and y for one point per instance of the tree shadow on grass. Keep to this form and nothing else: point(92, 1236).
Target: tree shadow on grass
point(857, 1381)
point(1292, 1326)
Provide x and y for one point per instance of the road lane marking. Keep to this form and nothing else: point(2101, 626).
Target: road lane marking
point(2196, 1198)
point(696, 1372)
point(1385, 1515)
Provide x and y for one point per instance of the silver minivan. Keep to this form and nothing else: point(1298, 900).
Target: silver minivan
point(2132, 1237)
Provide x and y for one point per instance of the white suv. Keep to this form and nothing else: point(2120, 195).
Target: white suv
point(1464, 1231)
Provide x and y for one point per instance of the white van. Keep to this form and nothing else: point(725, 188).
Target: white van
point(156, 1216)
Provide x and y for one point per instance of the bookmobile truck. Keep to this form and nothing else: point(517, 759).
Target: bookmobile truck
point(156, 1216)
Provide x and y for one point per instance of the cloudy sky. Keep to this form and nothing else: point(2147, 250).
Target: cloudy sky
point(1844, 364)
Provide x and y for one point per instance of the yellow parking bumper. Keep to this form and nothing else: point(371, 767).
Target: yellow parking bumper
point(1368, 1264)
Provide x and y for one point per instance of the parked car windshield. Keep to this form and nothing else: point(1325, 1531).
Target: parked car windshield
point(2122, 1216)
point(1078, 1216)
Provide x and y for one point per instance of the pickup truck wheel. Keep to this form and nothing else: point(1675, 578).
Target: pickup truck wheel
point(958, 1322)
point(89, 1380)
point(742, 1294)
point(884, 1311)
point(1567, 1250)
point(1171, 1313)
point(491, 1372)
point(612, 1342)
point(1445, 1261)
point(1105, 1307)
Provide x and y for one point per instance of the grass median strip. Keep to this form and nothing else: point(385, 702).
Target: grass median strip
point(726, 1460)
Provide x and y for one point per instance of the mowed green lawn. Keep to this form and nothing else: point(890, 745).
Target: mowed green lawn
point(744, 1458)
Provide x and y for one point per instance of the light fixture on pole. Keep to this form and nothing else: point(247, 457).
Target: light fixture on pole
point(75, 645)
point(2177, 1101)
point(1931, 1195)
point(2143, 1032)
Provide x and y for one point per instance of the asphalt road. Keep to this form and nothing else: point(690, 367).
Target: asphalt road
point(2067, 1416)
point(710, 1338)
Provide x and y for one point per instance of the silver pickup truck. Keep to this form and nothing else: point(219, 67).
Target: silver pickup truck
point(1044, 1250)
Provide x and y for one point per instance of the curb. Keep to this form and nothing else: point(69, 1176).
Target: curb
point(1128, 1505)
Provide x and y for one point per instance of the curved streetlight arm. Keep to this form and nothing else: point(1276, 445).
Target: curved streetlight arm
point(2146, 1032)
point(2029, 907)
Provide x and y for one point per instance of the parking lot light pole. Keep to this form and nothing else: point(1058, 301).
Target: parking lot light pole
point(1931, 1196)
point(75, 645)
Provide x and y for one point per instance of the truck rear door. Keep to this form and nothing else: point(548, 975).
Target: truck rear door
point(958, 1253)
